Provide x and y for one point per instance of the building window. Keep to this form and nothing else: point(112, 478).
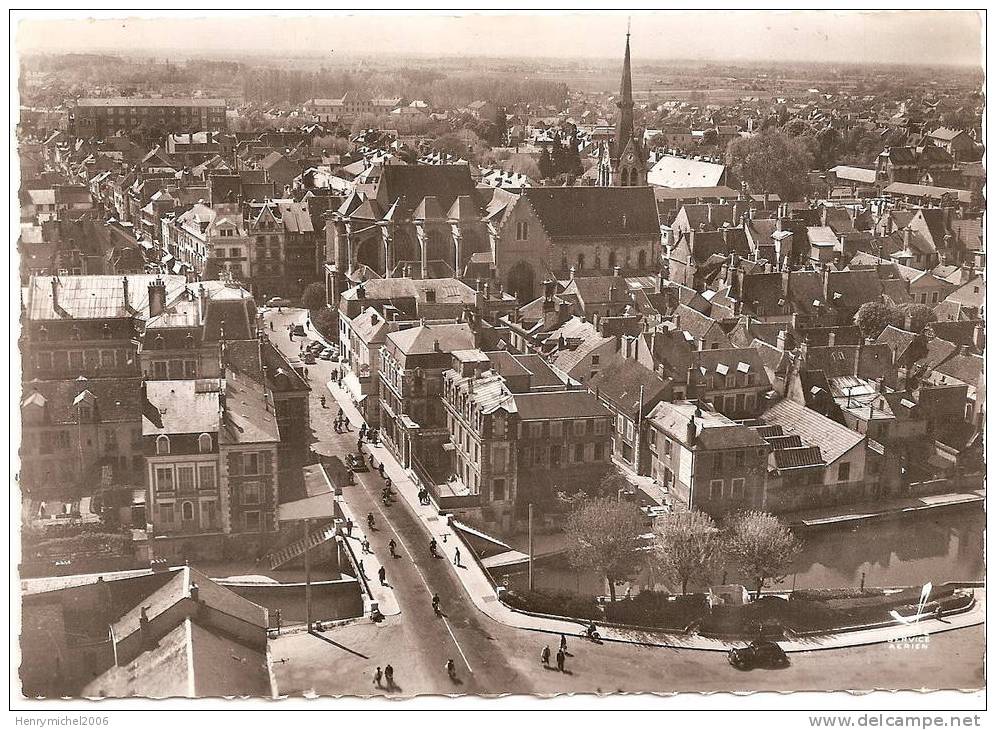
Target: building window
point(579, 453)
point(521, 230)
point(555, 455)
point(717, 461)
point(204, 443)
point(164, 479)
point(166, 513)
point(209, 514)
point(250, 493)
point(162, 445)
point(737, 488)
point(580, 427)
point(187, 511)
point(185, 478)
point(844, 472)
point(159, 370)
point(629, 429)
point(497, 489)
point(107, 359)
point(741, 457)
point(599, 452)
point(205, 476)
point(600, 426)
point(716, 489)
point(252, 521)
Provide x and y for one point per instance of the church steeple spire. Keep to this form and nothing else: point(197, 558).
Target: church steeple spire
point(624, 122)
point(628, 161)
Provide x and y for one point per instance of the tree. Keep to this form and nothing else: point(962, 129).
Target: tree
point(873, 317)
point(771, 162)
point(313, 296)
point(919, 315)
point(605, 535)
point(710, 138)
point(522, 164)
point(686, 547)
point(545, 163)
point(761, 545)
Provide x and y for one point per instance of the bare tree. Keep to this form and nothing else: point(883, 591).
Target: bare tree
point(686, 547)
point(762, 545)
point(606, 536)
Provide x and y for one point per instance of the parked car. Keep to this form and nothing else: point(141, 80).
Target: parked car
point(327, 354)
point(765, 654)
point(315, 347)
point(356, 462)
point(278, 302)
point(298, 330)
point(309, 357)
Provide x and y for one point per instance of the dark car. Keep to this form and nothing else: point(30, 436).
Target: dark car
point(298, 330)
point(315, 347)
point(356, 462)
point(309, 357)
point(766, 654)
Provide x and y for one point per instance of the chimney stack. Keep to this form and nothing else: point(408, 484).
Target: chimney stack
point(690, 431)
point(127, 303)
point(157, 297)
point(55, 293)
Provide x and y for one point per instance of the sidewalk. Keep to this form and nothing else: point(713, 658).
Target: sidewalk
point(482, 593)
point(387, 602)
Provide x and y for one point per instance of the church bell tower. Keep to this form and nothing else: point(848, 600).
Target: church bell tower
point(628, 160)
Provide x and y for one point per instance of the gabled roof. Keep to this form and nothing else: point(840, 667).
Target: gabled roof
point(625, 383)
point(833, 439)
point(425, 339)
point(562, 404)
point(595, 211)
point(681, 172)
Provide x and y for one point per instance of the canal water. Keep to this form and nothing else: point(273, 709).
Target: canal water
point(937, 546)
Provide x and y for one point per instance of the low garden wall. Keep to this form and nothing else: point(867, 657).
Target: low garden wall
point(804, 613)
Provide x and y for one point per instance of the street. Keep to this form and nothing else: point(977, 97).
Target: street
point(491, 658)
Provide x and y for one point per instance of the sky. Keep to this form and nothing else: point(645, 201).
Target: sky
point(925, 37)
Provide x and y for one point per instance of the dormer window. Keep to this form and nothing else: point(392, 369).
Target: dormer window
point(162, 446)
point(75, 332)
point(204, 443)
point(106, 331)
point(43, 333)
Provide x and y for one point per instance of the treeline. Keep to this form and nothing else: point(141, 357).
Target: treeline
point(295, 86)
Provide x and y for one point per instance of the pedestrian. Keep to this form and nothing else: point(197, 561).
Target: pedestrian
point(456, 558)
point(382, 574)
point(380, 469)
point(349, 528)
point(363, 571)
point(366, 546)
point(389, 675)
point(306, 373)
point(392, 546)
point(560, 660)
point(545, 656)
point(563, 643)
point(271, 325)
point(377, 676)
point(339, 414)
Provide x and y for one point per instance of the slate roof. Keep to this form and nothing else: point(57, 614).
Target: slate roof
point(117, 399)
point(410, 184)
point(834, 440)
point(559, 405)
point(963, 368)
point(621, 385)
point(422, 340)
point(713, 429)
point(595, 211)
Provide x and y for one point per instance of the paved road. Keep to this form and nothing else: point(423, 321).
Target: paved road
point(494, 659)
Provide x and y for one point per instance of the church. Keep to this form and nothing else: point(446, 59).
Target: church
point(625, 163)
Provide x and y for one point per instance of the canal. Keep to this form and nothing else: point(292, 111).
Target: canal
point(937, 546)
